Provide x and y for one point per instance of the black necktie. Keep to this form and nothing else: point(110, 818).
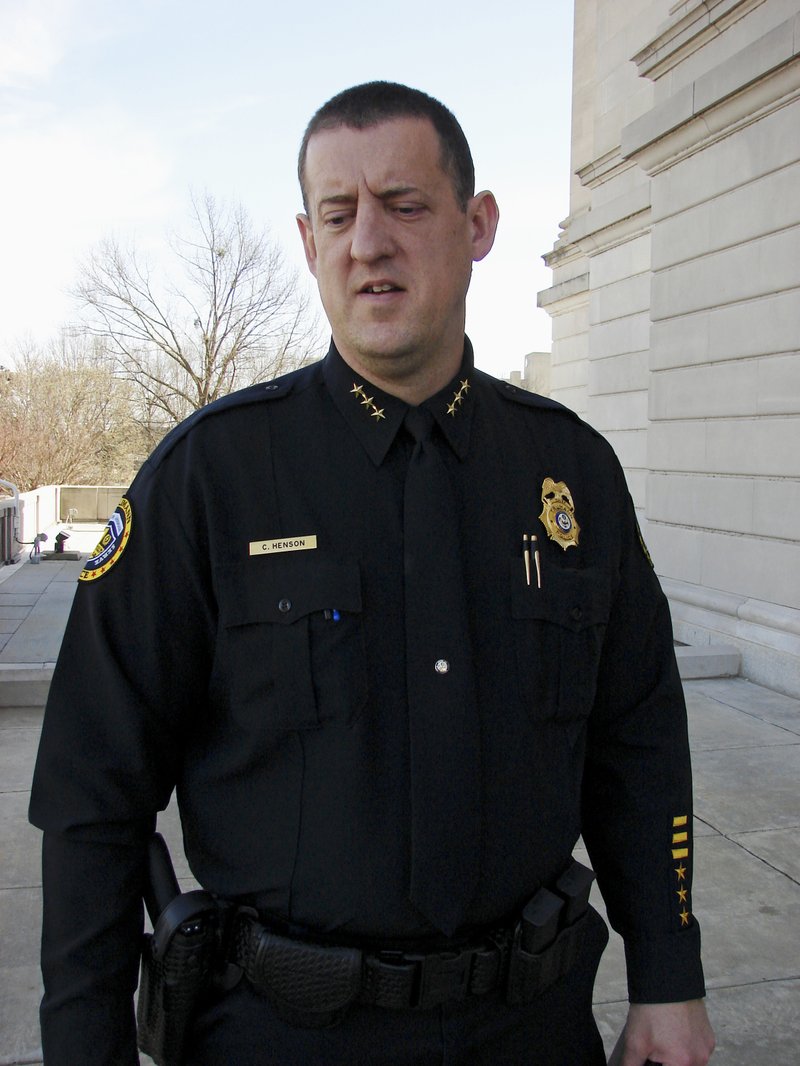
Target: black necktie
point(443, 718)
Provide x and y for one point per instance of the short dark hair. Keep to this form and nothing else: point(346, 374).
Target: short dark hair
point(379, 101)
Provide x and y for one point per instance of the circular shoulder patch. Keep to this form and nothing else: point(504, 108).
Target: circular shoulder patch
point(112, 543)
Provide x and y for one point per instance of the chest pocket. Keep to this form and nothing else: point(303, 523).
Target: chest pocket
point(559, 631)
point(291, 642)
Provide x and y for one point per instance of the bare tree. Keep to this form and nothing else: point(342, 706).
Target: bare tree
point(66, 418)
point(229, 314)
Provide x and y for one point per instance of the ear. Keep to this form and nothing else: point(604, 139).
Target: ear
point(483, 215)
point(309, 244)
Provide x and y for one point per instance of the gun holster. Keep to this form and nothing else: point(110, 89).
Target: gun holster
point(179, 958)
point(178, 961)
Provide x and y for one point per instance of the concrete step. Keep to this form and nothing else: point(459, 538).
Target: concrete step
point(709, 660)
point(25, 684)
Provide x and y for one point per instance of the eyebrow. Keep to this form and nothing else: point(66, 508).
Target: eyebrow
point(387, 194)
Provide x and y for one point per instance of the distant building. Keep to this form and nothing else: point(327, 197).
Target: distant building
point(535, 375)
point(676, 301)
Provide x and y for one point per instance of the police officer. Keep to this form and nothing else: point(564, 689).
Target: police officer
point(388, 627)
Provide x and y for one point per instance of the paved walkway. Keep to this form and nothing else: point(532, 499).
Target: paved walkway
point(746, 744)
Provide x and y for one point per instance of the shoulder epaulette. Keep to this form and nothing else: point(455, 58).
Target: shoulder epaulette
point(515, 394)
point(293, 382)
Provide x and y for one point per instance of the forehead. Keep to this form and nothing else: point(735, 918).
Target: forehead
point(398, 153)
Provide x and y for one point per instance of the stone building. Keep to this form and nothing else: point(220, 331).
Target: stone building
point(535, 375)
point(676, 301)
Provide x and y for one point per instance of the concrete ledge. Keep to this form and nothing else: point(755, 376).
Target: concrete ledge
point(711, 660)
point(577, 286)
point(25, 684)
point(766, 635)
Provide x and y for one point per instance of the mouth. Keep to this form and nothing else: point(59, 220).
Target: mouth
point(379, 289)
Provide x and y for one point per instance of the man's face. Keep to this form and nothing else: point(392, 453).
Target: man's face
point(390, 247)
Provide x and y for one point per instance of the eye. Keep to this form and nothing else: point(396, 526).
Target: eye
point(336, 219)
point(408, 210)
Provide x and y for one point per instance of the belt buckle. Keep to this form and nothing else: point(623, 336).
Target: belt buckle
point(443, 977)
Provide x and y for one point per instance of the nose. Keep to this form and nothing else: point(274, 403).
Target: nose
point(371, 233)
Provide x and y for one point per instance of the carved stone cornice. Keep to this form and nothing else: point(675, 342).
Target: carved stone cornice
point(761, 77)
point(691, 26)
point(565, 296)
point(608, 166)
point(655, 148)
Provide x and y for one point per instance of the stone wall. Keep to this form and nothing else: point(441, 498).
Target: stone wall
point(676, 301)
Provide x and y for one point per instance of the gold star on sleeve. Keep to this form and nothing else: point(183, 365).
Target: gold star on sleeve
point(681, 872)
point(682, 894)
point(684, 917)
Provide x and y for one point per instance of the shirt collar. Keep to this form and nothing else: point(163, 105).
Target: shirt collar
point(375, 417)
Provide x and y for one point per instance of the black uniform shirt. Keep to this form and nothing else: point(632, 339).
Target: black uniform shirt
point(215, 650)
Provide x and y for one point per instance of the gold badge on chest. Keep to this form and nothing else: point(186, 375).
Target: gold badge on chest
point(558, 513)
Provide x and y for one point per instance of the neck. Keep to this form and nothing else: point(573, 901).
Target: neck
point(413, 385)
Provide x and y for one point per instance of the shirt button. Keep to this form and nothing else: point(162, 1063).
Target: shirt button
point(284, 606)
point(576, 613)
point(441, 666)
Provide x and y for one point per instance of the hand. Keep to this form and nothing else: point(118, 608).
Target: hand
point(674, 1034)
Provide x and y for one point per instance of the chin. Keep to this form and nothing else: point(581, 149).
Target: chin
point(387, 350)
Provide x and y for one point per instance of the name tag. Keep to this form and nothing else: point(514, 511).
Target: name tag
point(284, 544)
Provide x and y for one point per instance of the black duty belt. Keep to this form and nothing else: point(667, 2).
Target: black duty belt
point(314, 984)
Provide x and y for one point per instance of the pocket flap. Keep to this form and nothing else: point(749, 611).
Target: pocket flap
point(282, 590)
point(574, 599)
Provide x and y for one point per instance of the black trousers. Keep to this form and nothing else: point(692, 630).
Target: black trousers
point(240, 1028)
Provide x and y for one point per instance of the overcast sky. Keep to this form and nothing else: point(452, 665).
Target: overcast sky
point(111, 111)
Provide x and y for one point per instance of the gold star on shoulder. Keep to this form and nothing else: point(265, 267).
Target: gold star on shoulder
point(458, 398)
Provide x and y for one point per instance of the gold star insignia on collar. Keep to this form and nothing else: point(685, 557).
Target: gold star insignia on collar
point(367, 401)
point(458, 398)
